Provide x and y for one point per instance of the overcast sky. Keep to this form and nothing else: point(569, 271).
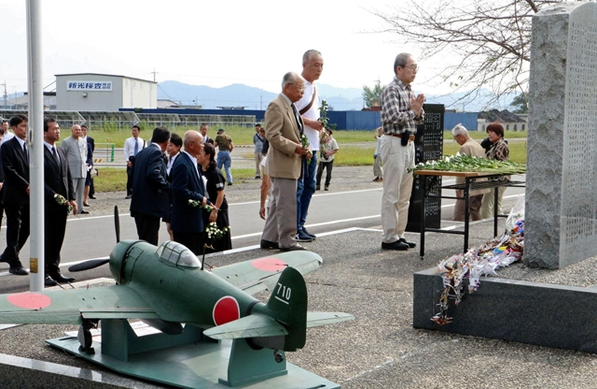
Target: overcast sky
point(214, 43)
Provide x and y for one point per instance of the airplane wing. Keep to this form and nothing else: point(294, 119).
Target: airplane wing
point(67, 306)
point(253, 326)
point(257, 326)
point(261, 274)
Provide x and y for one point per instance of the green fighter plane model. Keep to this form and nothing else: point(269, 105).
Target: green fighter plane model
point(201, 315)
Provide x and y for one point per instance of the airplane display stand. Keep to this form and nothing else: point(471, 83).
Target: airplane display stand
point(190, 360)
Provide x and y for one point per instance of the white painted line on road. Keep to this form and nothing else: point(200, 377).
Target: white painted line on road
point(319, 195)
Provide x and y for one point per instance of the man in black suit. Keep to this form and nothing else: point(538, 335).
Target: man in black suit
point(150, 181)
point(15, 164)
point(186, 221)
point(89, 189)
point(59, 195)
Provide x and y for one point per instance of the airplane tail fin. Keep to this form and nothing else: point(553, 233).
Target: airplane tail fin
point(288, 305)
point(282, 323)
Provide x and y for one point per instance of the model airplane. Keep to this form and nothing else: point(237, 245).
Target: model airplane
point(166, 287)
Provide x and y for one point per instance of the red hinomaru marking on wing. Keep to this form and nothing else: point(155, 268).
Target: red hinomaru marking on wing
point(269, 264)
point(226, 310)
point(29, 300)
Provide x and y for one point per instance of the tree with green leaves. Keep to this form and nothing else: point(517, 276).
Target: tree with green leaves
point(521, 103)
point(370, 95)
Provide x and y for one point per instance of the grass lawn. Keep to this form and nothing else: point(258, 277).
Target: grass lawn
point(356, 149)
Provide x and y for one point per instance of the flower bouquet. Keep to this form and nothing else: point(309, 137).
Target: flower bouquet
point(196, 203)
point(61, 200)
point(212, 233)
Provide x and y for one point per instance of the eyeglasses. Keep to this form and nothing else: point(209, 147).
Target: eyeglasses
point(300, 88)
point(412, 67)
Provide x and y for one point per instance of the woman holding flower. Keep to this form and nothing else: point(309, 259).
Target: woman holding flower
point(215, 192)
point(498, 151)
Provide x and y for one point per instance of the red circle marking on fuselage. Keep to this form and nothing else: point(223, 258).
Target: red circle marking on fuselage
point(269, 264)
point(29, 300)
point(226, 310)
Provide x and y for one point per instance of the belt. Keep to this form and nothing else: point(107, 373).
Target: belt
point(410, 137)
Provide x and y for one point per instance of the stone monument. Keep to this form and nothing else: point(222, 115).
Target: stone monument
point(561, 183)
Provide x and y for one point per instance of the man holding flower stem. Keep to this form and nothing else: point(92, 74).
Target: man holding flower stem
point(309, 108)
point(59, 200)
point(283, 129)
point(401, 111)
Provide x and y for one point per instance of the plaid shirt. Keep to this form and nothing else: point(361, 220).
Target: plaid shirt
point(396, 117)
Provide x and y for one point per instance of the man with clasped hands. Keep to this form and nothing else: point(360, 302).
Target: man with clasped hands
point(283, 130)
point(401, 111)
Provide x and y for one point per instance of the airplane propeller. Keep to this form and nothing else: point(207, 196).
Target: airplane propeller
point(93, 263)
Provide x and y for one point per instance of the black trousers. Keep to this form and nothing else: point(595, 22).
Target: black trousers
point(17, 232)
point(328, 177)
point(148, 227)
point(129, 181)
point(54, 229)
point(192, 240)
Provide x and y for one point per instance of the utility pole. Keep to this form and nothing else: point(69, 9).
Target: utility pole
point(154, 74)
point(5, 96)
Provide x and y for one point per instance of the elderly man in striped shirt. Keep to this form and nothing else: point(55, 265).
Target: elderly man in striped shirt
point(401, 111)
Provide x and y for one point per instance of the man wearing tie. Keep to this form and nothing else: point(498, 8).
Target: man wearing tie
point(15, 164)
point(186, 221)
point(283, 130)
point(59, 194)
point(76, 153)
point(132, 146)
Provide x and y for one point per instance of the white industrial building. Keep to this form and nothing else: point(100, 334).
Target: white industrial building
point(103, 92)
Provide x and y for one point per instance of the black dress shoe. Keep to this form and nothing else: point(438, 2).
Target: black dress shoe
point(266, 244)
point(129, 197)
point(83, 212)
point(411, 245)
point(309, 234)
point(18, 270)
point(92, 197)
point(86, 205)
point(50, 282)
point(397, 245)
point(62, 279)
point(293, 248)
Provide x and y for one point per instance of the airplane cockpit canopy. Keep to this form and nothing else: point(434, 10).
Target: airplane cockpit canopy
point(178, 254)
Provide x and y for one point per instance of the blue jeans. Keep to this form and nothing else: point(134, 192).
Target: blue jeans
point(305, 189)
point(224, 159)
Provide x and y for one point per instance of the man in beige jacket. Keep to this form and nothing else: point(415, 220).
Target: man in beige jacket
point(284, 128)
point(470, 147)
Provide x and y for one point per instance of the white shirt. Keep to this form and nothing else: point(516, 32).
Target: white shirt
point(129, 147)
point(7, 136)
point(312, 113)
point(171, 162)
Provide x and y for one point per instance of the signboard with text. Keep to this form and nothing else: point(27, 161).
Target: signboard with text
point(429, 145)
point(89, 86)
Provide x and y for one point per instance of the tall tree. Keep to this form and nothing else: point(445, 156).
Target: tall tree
point(487, 42)
point(372, 94)
point(521, 103)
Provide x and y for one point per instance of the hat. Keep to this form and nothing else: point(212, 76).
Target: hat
point(220, 130)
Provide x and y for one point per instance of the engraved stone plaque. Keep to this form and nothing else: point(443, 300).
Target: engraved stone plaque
point(561, 190)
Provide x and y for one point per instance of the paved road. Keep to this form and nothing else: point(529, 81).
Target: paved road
point(329, 212)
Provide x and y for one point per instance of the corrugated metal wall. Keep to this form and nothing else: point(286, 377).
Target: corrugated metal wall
point(468, 120)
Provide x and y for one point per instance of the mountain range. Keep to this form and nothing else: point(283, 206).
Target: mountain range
point(340, 99)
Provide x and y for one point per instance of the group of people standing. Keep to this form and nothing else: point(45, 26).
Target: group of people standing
point(176, 180)
point(63, 167)
point(292, 122)
point(482, 203)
